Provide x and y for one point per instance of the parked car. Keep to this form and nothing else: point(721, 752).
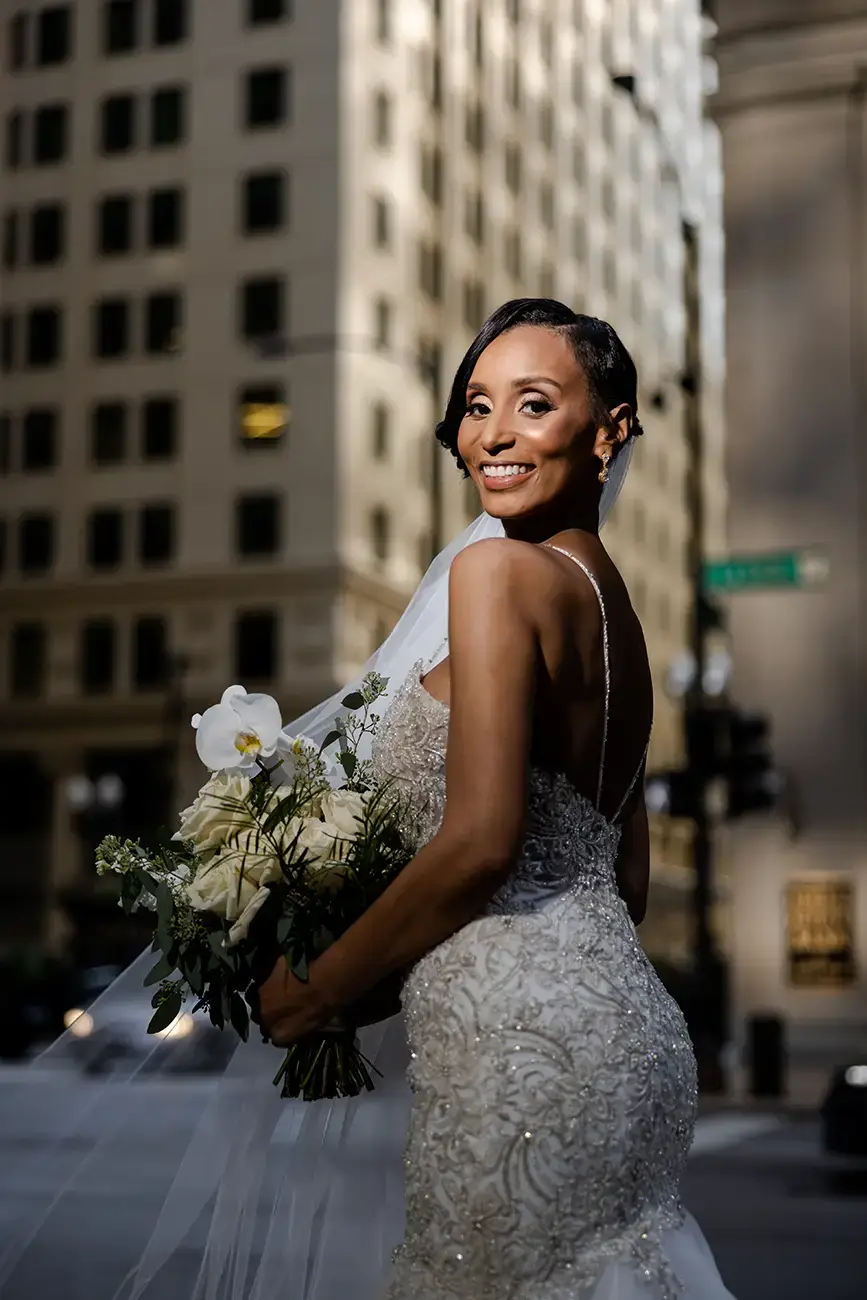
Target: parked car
point(110, 1034)
point(844, 1112)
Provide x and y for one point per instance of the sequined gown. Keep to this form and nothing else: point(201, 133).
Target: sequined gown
point(554, 1083)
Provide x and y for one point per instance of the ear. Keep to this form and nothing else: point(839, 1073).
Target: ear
point(611, 437)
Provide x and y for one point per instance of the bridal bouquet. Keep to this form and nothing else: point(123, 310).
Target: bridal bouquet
point(286, 845)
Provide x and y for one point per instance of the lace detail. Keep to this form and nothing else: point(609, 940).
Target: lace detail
point(553, 1077)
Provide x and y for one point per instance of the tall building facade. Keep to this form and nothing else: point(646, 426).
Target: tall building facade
point(792, 113)
point(244, 247)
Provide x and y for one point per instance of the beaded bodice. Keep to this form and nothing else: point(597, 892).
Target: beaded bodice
point(568, 845)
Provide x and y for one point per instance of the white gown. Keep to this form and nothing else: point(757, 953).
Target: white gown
point(553, 1079)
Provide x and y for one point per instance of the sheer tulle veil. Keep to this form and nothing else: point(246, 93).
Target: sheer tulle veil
point(216, 1189)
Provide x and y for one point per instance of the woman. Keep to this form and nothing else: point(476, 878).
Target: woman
point(554, 1085)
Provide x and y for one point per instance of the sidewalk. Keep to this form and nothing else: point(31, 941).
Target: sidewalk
point(805, 1091)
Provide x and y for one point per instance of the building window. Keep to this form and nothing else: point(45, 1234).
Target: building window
point(159, 429)
point(609, 271)
point(10, 240)
point(108, 433)
point(608, 134)
point(165, 218)
point(156, 534)
point(28, 660)
point(546, 204)
point(50, 131)
point(431, 270)
point(474, 216)
point(111, 328)
point(117, 124)
point(114, 225)
point(579, 162)
point(380, 429)
point(381, 119)
point(513, 11)
point(262, 307)
point(44, 337)
point(579, 238)
point(14, 140)
point(474, 127)
point(53, 35)
point(98, 654)
point(513, 83)
point(513, 254)
point(546, 124)
point(382, 323)
point(35, 543)
point(105, 539)
point(257, 525)
point(17, 46)
point(474, 304)
point(150, 658)
point(5, 443)
point(264, 202)
point(47, 234)
point(171, 21)
point(256, 646)
point(266, 97)
point(8, 341)
point(380, 533)
point(383, 21)
point(609, 198)
point(546, 280)
point(260, 12)
point(119, 26)
point(39, 442)
point(512, 158)
point(381, 223)
point(432, 172)
point(162, 323)
point(167, 116)
point(263, 415)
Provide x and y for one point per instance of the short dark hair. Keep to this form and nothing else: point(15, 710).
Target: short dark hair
point(609, 368)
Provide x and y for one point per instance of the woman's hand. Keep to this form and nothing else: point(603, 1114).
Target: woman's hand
point(289, 1008)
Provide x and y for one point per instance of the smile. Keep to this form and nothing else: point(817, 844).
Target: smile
point(505, 476)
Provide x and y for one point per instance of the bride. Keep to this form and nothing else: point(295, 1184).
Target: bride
point(553, 1085)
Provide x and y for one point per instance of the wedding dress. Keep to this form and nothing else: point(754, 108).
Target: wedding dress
point(553, 1079)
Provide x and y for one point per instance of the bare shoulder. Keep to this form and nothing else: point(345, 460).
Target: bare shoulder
point(510, 564)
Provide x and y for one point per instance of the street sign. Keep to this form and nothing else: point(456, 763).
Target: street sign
point(774, 570)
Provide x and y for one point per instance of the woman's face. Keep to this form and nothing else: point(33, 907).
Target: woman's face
point(528, 437)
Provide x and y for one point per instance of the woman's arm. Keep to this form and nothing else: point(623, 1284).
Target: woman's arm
point(493, 650)
point(633, 861)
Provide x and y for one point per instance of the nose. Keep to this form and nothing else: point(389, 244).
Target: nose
point(497, 432)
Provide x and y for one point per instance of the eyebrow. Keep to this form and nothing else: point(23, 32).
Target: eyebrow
point(526, 382)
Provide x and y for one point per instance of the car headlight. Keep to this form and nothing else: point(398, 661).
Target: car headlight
point(856, 1076)
point(181, 1027)
point(78, 1022)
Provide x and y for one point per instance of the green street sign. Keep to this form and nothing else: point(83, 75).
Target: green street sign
point(774, 570)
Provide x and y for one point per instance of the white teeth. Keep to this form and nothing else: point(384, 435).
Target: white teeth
point(504, 471)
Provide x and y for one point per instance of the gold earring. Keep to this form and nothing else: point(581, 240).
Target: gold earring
point(603, 473)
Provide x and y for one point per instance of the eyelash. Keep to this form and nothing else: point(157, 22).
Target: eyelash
point(473, 408)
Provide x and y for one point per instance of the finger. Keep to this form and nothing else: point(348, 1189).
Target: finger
point(282, 1034)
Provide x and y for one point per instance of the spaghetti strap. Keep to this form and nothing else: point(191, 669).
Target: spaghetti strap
point(607, 662)
point(605, 655)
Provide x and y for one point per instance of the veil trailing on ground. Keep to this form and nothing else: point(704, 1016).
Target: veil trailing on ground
point(154, 1181)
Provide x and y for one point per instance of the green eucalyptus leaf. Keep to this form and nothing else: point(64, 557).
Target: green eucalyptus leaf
point(331, 738)
point(354, 700)
point(165, 1013)
point(163, 969)
point(348, 762)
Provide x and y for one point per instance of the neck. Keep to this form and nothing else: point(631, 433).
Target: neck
point(540, 527)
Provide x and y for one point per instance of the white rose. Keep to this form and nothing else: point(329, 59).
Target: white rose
point(219, 809)
point(241, 927)
point(344, 810)
point(228, 883)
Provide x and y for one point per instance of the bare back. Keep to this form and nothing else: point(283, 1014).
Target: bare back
point(569, 714)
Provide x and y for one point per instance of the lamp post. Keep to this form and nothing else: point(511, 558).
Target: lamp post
point(709, 968)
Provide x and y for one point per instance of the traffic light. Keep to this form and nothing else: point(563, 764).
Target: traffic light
point(753, 783)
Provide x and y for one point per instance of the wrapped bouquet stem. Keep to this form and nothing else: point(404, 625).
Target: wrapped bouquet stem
point(285, 846)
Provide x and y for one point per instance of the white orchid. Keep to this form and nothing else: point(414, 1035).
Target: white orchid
point(234, 734)
point(301, 756)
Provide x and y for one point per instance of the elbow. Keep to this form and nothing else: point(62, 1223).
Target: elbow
point(636, 906)
point(479, 858)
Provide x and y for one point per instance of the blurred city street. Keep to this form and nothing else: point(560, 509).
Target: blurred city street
point(782, 1224)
